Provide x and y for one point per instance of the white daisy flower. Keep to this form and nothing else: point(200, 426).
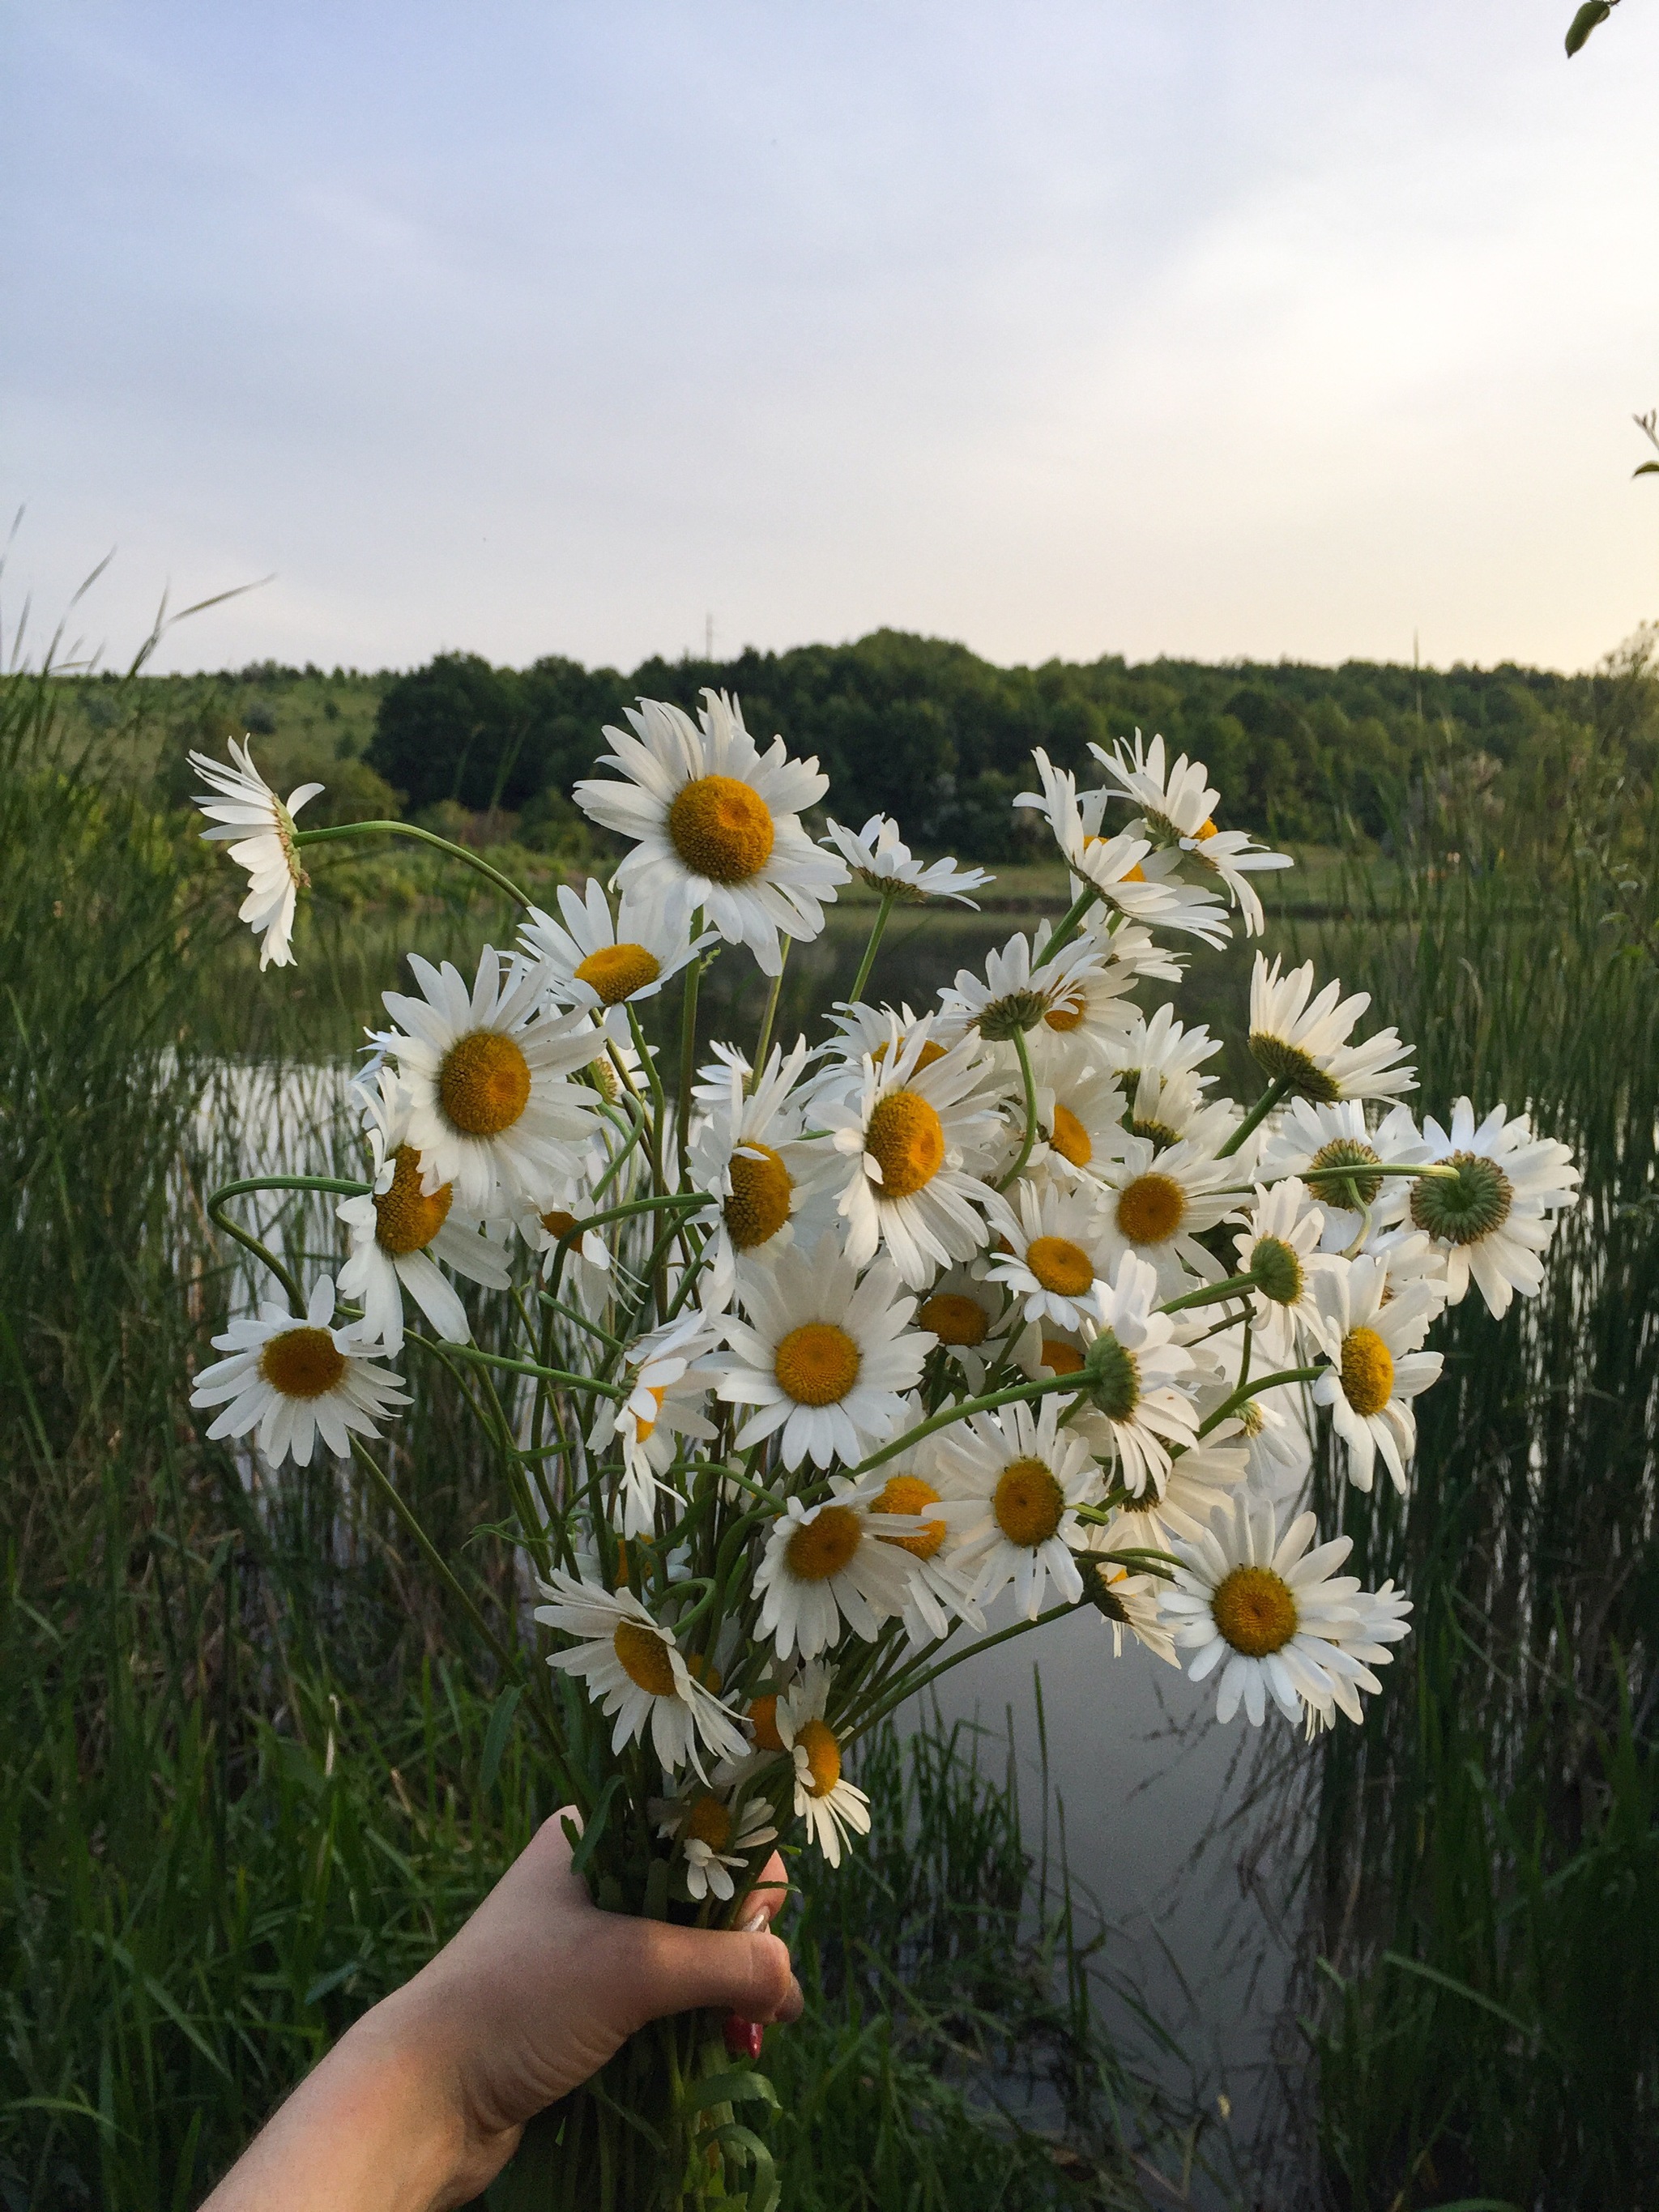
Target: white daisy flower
point(633, 1669)
point(866, 1031)
point(747, 1153)
point(717, 824)
point(245, 807)
point(1158, 1203)
point(825, 1357)
point(1056, 1261)
point(1157, 1065)
point(1305, 1045)
point(826, 1564)
point(1021, 988)
point(1012, 1481)
point(1125, 870)
point(1280, 1245)
point(1270, 1610)
point(1378, 1368)
point(878, 857)
point(1177, 807)
point(1079, 1113)
point(1203, 1479)
point(295, 1380)
point(1306, 1134)
point(490, 1109)
point(831, 1806)
point(970, 1318)
point(602, 963)
point(668, 1384)
point(399, 1231)
point(1138, 1378)
point(1128, 1600)
point(937, 1596)
point(915, 1137)
point(1495, 1220)
point(587, 1272)
point(715, 1839)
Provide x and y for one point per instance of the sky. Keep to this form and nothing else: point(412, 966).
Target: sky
point(1222, 329)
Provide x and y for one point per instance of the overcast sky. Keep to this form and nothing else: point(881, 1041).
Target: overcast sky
point(1207, 327)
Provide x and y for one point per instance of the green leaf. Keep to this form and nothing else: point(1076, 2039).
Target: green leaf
point(1648, 469)
point(753, 2153)
point(1460, 1989)
point(324, 1983)
point(500, 1722)
point(583, 1846)
point(731, 2086)
point(1593, 12)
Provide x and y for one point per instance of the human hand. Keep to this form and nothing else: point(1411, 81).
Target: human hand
point(531, 1997)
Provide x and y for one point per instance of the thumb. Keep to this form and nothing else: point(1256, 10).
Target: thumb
point(681, 1969)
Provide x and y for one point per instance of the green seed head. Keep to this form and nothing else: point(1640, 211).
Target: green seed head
point(1114, 1377)
point(1351, 1191)
point(1463, 1209)
point(1277, 1271)
point(1015, 1011)
point(1289, 1064)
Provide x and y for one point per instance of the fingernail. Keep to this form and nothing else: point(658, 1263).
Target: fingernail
point(795, 2002)
point(756, 1921)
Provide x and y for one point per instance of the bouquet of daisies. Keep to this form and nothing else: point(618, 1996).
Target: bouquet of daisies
point(839, 1359)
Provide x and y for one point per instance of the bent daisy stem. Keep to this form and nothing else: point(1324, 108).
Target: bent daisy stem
point(1278, 1088)
point(764, 1045)
point(1229, 1405)
point(889, 900)
point(1071, 920)
point(1346, 1171)
point(248, 1241)
point(908, 1685)
point(1030, 1081)
point(472, 861)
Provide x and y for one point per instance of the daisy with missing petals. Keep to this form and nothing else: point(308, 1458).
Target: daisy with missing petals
point(714, 1839)
point(400, 1231)
point(1280, 1247)
point(490, 1109)
point(914, 1136)
point(717, 825)
point(1157, 1203)
point(831, 1808)
point(1334, 1137)
point(1378, 1368)
point(601, 963)
point(879, 858)
point(1012, 1481)
point(1054, 1263)
point(1128, 1600)
point(1137, 1376)
point(1268, 1612)
point(1305, 1047)
point(245, 807)
point(1177, 806)
point(1125, 870)
point(668, 1385)
point(747, 1153)
point(297, 1380)
point(633, 1669)
point(824, 1357)
point(826, 1564)
point(1495, 1219)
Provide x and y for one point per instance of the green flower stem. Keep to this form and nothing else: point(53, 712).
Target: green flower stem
point(1071, 922)
point(1278, 1088)
point(1358, 1172)
point(890, 899)
point(249, 1242)
point(1030, 1081)
point(963, 1409)
point(659, 1099)
point(687, 1060)
point(764, 1043)
point(909, 1685)
point(555, 1374)
point(347, 830)
point(570, 1313)
point(1230, 1405)
point(641, 1125)
point(1236, 1286)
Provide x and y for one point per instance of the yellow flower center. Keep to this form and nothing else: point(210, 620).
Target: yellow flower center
point(404, 1219)
point(558, 1222)
point(1136, 875)
point(302, 1363)
point(822, 1547)
point(1150, 1209)
point(1070, 1139)
point(759, 1204)
point(954, 1318)
point(703, 1669)
point(616, 971)
point(1367, 1371)
point(484, 1084)
point(1060, 1266)
point(645, 1657)
point(906, 1139)
point(722, 829)
point(1068, 1015)
point(708, 1822)
point(908, 1493)
point(930, 1052)
point(1207, 828)
point(817, 1740)
point(817, 1364)
point(763, 1719)
point(1028, 1502)
point(1062, 1357)
point(644, 1429)
point(1254, 1610)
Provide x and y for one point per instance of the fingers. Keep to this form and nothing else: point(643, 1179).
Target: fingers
point(680, 1969)
point(767, 1898)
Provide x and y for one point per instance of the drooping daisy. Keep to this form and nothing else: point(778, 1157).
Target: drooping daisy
point(747, 1153)
point(1055, 1263)
point(669, 1380)
point(634, 1669)
point(489, 1109)
point(831, 1806)
point(1306, 1046)
point(1124, 869)
point(1138, 1376)
point(245, 807)
point(824, 1357)
point(1157, 1203)
point(399, 1232)
point(718, 823)
point(1203, 1478)
point(1325, 1137)
point(295, 1380)
point(1280, 1245)
point(878, 857)
point(1124, 1600)
point(826, 1564)
point(602, 963)
point(1177, 805)
point(1270, 1609)
point(1021, 1479)
point(970, 1318)
point(915, 1137)
point(1495, 1219)
point(1378, 1368)
point(715, 1838)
